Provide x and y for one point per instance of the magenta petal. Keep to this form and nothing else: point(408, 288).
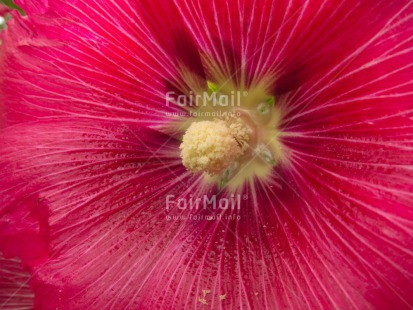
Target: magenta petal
point(15, 292)
point(345, 244)
point(23, 224)
point(74, 59)
point(34, 6)
point(286, 42)
point(3, 10)
point(105, 191)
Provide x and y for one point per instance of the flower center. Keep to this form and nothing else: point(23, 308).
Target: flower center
point(232, 140)
point(211, 146)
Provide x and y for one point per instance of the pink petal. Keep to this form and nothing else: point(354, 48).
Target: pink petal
point(3, 10)
point(15, 292)
point(105, 217)
point(23, 223)
point(75, 59)
point(286, 42)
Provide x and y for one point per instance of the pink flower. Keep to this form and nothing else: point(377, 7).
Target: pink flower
point(99, 171)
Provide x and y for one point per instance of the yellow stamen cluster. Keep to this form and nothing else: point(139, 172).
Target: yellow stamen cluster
point(211, 146)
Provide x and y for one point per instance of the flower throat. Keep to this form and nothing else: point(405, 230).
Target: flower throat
point(241, 144)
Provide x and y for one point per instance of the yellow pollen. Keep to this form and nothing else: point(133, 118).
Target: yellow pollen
point(211, 146)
